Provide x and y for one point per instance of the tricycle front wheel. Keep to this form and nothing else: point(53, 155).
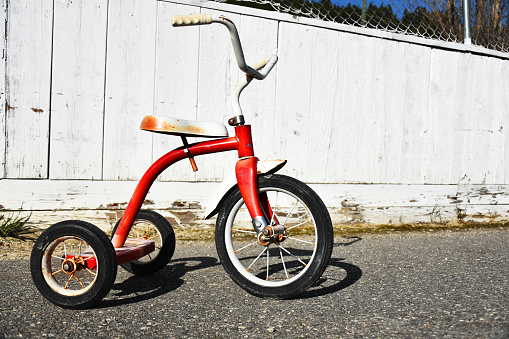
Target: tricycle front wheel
point(73, 264)
point(288, 264)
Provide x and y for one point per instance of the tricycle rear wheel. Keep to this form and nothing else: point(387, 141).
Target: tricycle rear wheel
point(150, 225)
point(73, 264)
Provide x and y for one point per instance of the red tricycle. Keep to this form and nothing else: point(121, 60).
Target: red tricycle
point(273, 235)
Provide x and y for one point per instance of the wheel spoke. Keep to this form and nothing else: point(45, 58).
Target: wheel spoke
point(302, 223)
point(289, 213)
point(304, 241)
point(240, 249)
point(243, 231)
point(65, 287)
point(58, 257)
point(60, 270)
point(74, 275)
point(284, 249)
point(90, 271)
point(89, 257)
point(267, 278)
point(274, 210)
point(137, 231)
point(259, 255)
point(283, 261)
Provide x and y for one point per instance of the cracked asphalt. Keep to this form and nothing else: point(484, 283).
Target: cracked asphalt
point(438, 284)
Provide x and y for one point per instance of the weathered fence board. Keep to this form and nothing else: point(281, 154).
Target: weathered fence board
point(216, 80)
point(129, 93)
point(292, 126)
point(176, 63)
point(77, 98)
point(259, 40)
point(323, 101)
point(438, 134)
point(333, 96)
point(3, 18)
point(185, 203)
point(28, 75)
point(504, 88)
point(388, 117)
point(358, 111)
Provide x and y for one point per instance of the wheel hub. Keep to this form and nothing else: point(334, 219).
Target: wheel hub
point(272, 234)
point(72, 265)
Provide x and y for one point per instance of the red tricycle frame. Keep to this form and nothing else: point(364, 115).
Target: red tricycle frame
point(245, 171)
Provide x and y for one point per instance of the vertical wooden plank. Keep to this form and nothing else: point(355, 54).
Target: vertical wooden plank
point(482, 98)
point(389, 88)
point(504, 103)
point(3, 18)
point(324, 104)
point(293, 96)
point(176, 81)
point(129, 88)
point(29, 34)
point(468, 101)
point(442, 87)
point(358, 108)
point(79, 54)
point(496, 97)
point(218, 74)
point(483, 149)
point(334, 150)
point(258, 101)
point(415, 107)
point(460, 120)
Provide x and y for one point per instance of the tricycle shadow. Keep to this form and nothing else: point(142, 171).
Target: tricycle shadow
point(332, 280)
point(338, 275)
point(138, 288)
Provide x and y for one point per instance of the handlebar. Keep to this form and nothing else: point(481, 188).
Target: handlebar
point(205, 19)
point(191, 20)
point(259, 70)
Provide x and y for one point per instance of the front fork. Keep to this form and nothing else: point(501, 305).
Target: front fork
point(245, 171)
point(257, 203)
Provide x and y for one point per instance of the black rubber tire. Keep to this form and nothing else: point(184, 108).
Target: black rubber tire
point(235, 261)
point(165, 244)
point(46, 264)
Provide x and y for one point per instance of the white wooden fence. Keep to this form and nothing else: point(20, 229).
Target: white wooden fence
point(424, 123)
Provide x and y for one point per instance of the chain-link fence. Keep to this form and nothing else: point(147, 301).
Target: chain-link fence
point(434, 19)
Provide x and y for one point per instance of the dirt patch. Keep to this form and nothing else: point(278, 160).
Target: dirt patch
point(363, 228)
point(19, 247)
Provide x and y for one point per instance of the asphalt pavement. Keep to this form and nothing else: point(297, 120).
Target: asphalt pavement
point(446, 284)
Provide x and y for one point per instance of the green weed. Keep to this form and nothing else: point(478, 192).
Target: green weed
point(13, 224)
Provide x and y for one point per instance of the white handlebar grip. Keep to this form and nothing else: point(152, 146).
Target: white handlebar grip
point(191, 20)
point(260, 64)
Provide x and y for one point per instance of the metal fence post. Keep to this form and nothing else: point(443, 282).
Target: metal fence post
point(466, 22)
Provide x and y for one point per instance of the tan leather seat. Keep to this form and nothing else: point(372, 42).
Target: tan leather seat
point(182, 127)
